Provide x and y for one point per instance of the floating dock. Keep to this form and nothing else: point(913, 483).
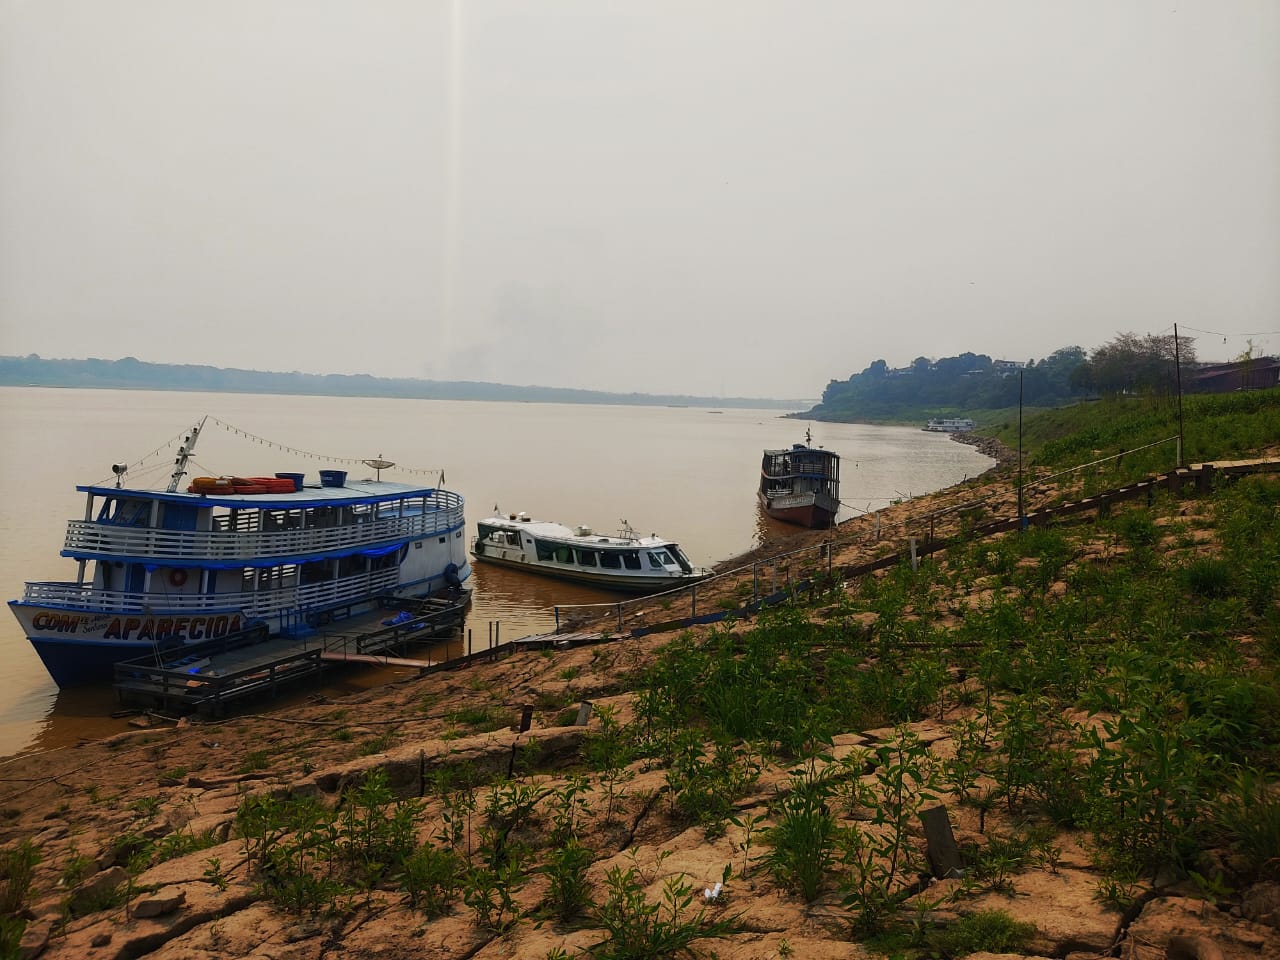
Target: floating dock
point(205, 677)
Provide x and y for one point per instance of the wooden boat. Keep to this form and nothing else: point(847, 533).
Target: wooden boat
point(626, 562)
point(159, 569)
point(801, 485)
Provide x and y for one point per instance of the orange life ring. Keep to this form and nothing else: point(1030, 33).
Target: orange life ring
point(177, 577)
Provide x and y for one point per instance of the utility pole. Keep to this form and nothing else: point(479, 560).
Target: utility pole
point(1022, 517)
point(1177, 364)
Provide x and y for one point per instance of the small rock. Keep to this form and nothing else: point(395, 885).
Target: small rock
point(101, 940)
point(55, 831)
point(1261, 904)
point(157, 904)
point(96, 889)
point(34, 939)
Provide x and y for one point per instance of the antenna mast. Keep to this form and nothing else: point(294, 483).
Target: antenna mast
point(184, 452)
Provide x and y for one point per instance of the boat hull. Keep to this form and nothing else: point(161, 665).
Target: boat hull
point(80, 646)
point(632, 585)
point(817, 513)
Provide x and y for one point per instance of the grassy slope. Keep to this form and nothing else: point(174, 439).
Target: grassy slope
point(1215, 427)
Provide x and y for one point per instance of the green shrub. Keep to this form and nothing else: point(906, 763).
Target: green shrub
point(640, 930)
point(569, 894)
point(987, 931)
point(1207, 577)
point(17, 871)
point(430, 877)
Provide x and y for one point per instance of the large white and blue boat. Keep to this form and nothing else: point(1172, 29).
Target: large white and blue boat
point(161, 568)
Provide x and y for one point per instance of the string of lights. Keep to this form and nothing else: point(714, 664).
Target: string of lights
point(312, 455)
point(165, 455)
point(163, 448)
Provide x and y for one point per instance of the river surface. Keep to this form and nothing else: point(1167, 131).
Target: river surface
point(686, 473)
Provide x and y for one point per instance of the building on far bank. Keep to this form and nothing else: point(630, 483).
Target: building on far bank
point(1256, 373)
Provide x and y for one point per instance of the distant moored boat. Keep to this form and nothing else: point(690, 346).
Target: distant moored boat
point(801, 484)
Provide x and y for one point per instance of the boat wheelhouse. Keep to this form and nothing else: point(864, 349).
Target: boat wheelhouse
point(801, 485)
point(161, 568)
point(626, 562)
point(950, 425)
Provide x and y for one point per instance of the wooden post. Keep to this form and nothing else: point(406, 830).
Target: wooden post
point(915, 560)
point(944, 855)
point(526, 718)
point(584, 714)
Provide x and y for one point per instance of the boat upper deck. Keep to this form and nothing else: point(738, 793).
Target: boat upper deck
point(257, 529)
point(583, 536)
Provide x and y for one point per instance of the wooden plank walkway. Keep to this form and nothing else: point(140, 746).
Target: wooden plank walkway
point(208, 676)
point(341, 656)
point(557, 640)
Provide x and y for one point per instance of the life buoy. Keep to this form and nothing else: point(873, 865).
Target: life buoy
point(177, 577)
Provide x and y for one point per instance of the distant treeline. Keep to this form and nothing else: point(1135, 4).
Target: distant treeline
point(970, 381)
point(1128, 365)
point(130, 373)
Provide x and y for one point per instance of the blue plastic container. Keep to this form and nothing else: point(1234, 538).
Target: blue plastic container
point(333, 478)
point(297, 479)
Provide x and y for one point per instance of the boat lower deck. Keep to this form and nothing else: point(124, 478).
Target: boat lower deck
point(639, 584)
point(206, 677)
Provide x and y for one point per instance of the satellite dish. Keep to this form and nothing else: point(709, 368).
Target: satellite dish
point(378, 464)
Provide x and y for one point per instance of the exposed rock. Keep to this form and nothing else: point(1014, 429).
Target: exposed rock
point(97, 888)
point(34, 939)
point(165, 900)
point(55, 830)
point(1261, 904)
point(1061, 906)
point(1191, 922)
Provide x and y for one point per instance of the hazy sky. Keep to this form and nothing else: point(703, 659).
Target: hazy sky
point(728, 197)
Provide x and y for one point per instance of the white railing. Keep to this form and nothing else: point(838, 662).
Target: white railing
point(90, 539)
point(259, 603)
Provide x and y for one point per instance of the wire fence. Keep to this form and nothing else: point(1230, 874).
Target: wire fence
point(746, 588)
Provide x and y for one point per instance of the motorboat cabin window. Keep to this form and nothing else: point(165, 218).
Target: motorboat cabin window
point(659, 559)
point(564, 555)
point(610, 560)
point(631, 559)
point(546, 551)
point(587, 558)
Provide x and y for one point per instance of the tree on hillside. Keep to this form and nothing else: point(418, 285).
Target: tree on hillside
point(1134, 365)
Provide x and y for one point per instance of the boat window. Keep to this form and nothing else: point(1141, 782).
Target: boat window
point(658, 559)
point(546, 551)
point(631, 559)
point(610, 560)
point(513, 538)
point(587, 558)
point(681, 559)
point(564, 555)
